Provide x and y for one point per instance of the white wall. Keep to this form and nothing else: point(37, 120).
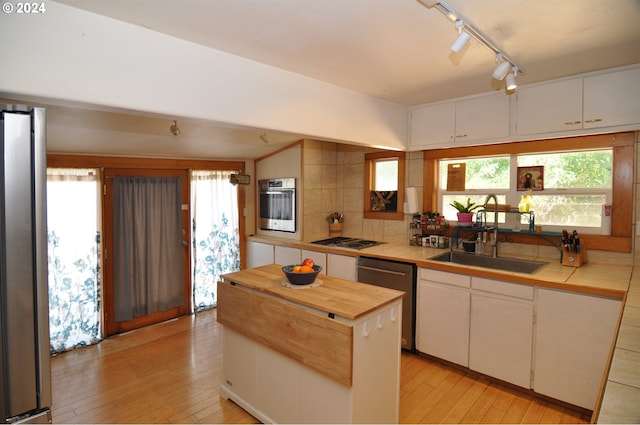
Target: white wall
point(70, 55)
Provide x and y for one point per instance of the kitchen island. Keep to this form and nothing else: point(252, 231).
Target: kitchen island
point(324, 353)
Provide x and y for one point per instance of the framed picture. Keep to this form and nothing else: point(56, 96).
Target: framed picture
point(531, 178)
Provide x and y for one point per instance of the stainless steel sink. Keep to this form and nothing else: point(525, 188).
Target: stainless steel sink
point(501, 263)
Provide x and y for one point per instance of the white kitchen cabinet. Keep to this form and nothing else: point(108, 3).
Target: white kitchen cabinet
point(319, 259)
point(342, 266)
point(482, 118)
point(574, 336)
point(285, 255)
point(612, 99)
point(549, 107)
point(501, 330)
point(432, 125)
point(259, 254)
point(442, 316)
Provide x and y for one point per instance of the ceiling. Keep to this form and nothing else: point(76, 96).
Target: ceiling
point(391, 49)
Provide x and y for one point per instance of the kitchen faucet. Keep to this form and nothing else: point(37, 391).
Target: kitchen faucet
point(494, 241)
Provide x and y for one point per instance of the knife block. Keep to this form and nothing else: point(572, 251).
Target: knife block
point(574, 259)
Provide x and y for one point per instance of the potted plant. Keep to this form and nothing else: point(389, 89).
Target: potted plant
point(465, 212)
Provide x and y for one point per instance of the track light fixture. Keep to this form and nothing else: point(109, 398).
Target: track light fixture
point(466, 30)
point(502, 69)
point(463, 37)
point(174, 129)
point(511, 79)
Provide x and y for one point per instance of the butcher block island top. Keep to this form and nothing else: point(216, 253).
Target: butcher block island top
point(344, 298)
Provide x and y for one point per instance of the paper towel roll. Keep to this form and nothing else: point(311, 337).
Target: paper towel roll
point(411, 206)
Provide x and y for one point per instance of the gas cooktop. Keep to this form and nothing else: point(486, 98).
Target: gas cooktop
point(344, 242)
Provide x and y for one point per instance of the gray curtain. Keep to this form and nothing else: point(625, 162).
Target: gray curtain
point(148, 260)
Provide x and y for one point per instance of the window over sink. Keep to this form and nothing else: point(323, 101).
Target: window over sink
point(588, 183)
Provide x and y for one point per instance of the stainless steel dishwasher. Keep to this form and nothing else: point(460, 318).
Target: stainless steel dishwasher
point(399, 276)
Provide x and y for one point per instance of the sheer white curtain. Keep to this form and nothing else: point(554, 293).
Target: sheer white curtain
point(216, 243)
point(73, 223)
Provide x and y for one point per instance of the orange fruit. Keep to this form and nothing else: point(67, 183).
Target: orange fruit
point(296, 269)
point(306, 269)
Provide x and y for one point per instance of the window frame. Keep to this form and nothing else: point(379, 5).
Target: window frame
point(620, 239)
point(369, 173)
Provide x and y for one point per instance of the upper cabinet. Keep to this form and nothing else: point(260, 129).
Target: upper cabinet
point(598, 101)
point(480, 118)
point(432, 125)
point(568, 107)
point(612, 99)
point(549, 107)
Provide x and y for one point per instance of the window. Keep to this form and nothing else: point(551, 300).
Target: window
point(384, 185)
point(581, 174)
point(576, 186)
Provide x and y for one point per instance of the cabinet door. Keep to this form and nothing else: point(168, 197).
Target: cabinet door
point(432, 125)
point(612, 99)
point(480, 118)
point(574, 334)
point(342, 266)
point(259, 254)
point(501, 338)
point(319, 258)
point(285, 255)
point(442, 328)
point(549, 107)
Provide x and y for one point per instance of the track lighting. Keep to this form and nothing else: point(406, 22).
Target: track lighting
point(463, 37)
point(174, 129)
point(466, 30)
point(511, 79)
point(502, 69)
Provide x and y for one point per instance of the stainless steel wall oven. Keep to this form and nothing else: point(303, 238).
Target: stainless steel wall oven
point(277, 204)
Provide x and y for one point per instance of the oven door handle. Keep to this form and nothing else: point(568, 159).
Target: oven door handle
point(375, 269)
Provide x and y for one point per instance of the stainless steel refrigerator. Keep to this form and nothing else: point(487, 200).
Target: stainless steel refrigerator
point(25, 373)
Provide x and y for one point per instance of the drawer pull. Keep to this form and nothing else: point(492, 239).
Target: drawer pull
point(394, 316)
point(380, 323)
point(594, 120)
point(365, 329)
point(572, 122)
point(461, 135)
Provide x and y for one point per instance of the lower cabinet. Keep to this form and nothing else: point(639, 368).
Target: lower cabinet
point(442, 316)
point(259, 254)
point(574, 337)
point(558, 343)
point(342, 266)
point(501, 336)
point(285, 255)
point(276, 388)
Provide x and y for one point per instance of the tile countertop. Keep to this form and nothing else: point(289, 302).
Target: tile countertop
point(621, 396)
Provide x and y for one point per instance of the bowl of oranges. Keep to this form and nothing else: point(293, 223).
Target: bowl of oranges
point(302, 274)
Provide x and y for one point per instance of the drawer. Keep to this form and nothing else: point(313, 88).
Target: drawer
point(503, 288)
point(455, 279)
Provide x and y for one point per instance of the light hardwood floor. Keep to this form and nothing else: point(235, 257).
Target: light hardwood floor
point(170, 373)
